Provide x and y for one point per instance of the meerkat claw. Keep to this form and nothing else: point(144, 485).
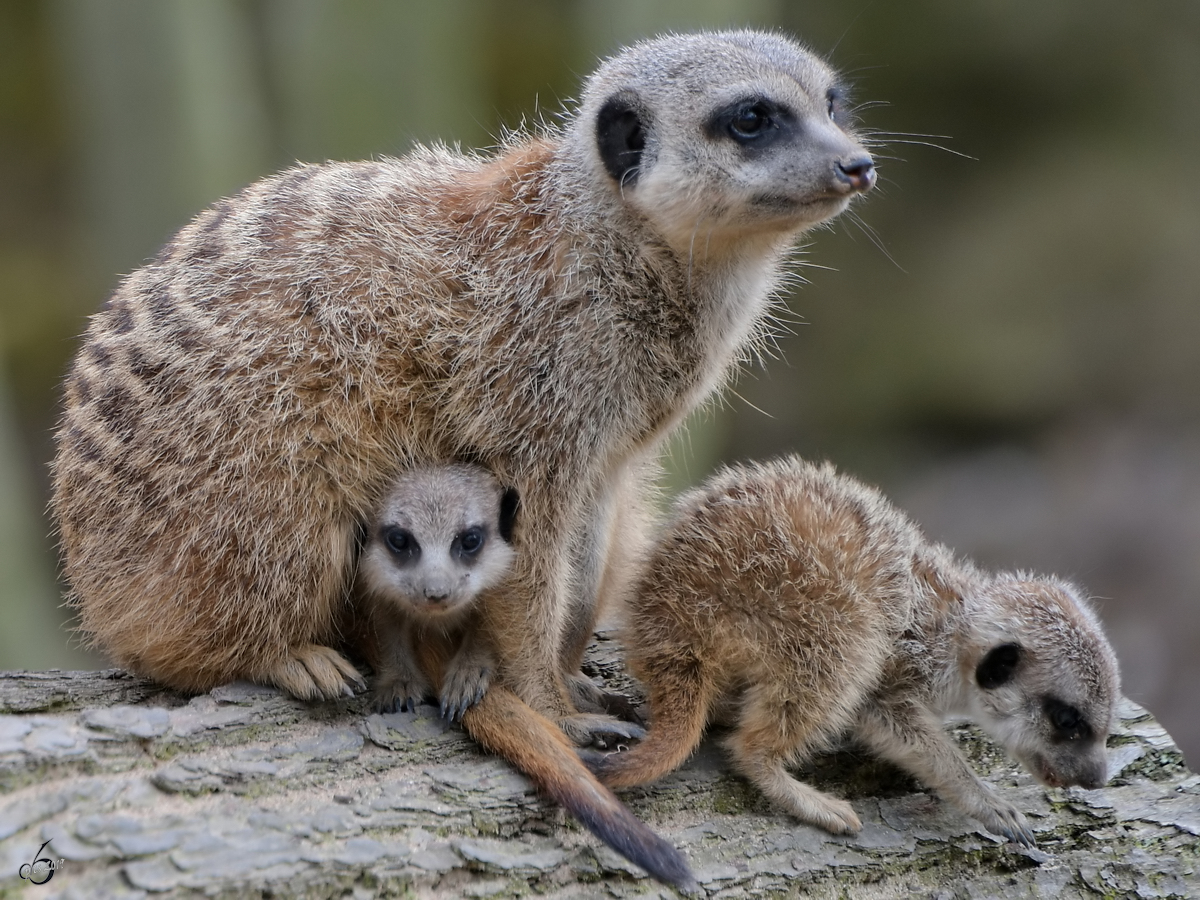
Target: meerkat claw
point(599, 731)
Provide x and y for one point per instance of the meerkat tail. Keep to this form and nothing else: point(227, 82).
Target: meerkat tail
point(679, 703)
point(505, 725)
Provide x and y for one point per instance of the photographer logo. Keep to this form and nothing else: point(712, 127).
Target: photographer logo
point(42, 868)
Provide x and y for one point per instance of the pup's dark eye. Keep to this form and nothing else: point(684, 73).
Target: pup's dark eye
point(750, 122)
point(470, 541)
point(403, 545)
point(1067, 721)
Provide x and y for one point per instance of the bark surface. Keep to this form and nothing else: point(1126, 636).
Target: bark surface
point(243, 792)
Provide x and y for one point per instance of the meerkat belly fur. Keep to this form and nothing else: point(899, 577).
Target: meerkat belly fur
point(550, 312)
point(809, 604)
point(439, 540)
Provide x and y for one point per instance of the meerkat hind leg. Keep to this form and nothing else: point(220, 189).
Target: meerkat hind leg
point(767, 737)
point(315, 672)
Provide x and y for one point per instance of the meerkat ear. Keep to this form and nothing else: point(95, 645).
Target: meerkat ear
point(510, 502)
point(621, 136)
point(998, 666)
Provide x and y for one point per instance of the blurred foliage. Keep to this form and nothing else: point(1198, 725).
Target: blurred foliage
point(1039, 272)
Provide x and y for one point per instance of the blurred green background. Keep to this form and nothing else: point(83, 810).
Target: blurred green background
point(1005, 340)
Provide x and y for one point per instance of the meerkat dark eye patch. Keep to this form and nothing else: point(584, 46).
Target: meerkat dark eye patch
point(998, 666)
point(1067, 722)
point(510, 502)
point(466, 544)
point(403, 546)
point(621, 137)
point(754, 123)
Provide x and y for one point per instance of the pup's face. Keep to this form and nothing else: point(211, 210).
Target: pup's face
point(442, 537)
point(1047, 690)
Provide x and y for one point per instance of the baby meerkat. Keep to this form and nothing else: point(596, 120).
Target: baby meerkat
point(551, 312)
point(807, 604)
point(441, 537)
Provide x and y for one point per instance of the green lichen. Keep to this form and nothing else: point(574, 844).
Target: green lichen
point(732, 797)
point(1156, 765)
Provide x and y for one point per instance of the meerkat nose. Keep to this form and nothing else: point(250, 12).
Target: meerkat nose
point(1095, 776)
point(858, 173)
point(436, 595)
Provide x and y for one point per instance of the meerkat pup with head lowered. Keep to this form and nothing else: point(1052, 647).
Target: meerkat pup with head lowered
point(551, 312)
point(810, 606)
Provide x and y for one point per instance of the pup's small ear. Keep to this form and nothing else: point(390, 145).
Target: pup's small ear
point(510, 502)
point(998, 666)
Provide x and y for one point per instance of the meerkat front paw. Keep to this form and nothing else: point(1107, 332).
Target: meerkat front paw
point(834, 815)
point(1002, 818)
point(466, 681)
point(599, 731)
point(400, 687)
point(316, 672)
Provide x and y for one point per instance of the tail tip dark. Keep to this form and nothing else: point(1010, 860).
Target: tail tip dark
point(663, 861)
point(686, 883)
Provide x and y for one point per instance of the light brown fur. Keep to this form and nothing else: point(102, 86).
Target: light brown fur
point(551, 312)
point(811, 606)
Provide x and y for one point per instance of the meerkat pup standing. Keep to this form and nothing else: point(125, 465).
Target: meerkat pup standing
point(552, 313)
point(441, 537)
point(808, 604)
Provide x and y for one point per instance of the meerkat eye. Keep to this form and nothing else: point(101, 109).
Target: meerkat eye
point(750, 122)
point(755, 123)
point(468, 543)
point(834, 103)
point(1066, 720)
point(402, 544)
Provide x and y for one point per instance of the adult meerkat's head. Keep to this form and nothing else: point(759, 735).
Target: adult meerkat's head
point(1045, 680)
point(441, 536)
point(718, 137)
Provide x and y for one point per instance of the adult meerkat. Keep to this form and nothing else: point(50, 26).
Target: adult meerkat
point(439, 540)
point(550, 312)
point(808, 604)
